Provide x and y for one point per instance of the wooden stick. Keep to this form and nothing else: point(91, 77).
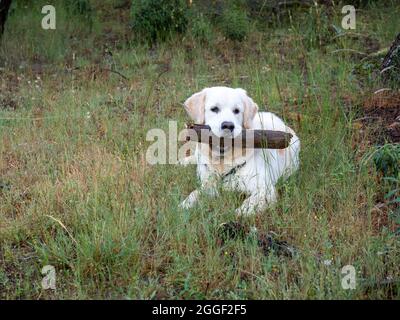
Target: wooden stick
point(257, 139)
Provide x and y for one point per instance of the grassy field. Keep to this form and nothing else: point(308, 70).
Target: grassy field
point(78, 194)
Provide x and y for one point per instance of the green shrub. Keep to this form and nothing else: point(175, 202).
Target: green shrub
point(235, 23)
point(201, 28)
point(387, 159)
point(82, 8)
point(315, 26)
point(156, 20)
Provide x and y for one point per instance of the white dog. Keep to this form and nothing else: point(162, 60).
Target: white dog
point(228, 111)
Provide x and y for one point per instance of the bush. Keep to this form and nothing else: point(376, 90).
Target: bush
point(235, 23)
point(387, 160)
point(157, 20)
point(315, 25)
point(82, 8)
point(201, 28)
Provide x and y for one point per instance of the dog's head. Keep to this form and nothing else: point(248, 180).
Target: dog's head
point(226, 110)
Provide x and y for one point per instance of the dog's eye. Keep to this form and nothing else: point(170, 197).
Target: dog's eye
point(236, 111)
point(215, 109)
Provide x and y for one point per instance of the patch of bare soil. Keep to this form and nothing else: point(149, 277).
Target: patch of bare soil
point(14, 272)
point(378, 123)
point(380, 218)
point(380, 112)
point(9, 86)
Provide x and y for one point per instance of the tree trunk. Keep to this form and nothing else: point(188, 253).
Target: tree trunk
point(387, 61)
point(4, 6)
point(390, 68)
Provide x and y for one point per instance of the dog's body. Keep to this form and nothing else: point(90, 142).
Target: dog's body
point(253, 171)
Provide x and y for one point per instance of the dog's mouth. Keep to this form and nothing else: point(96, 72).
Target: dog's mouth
point(227, 134)
point(220, 150)
point(223, 140)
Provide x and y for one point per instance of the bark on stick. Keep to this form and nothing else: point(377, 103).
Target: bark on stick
point(256, 139)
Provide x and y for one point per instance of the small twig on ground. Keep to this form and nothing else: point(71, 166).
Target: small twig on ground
point(382, 90)
point(350, 50)
point(109, 70)
point(352, 34)
point(116, 72)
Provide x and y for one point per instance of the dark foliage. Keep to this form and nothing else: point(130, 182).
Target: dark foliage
point(157, 20)
point(4, 7)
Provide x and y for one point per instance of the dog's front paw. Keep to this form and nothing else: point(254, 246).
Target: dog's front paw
point(187, 160)
point(254, 204)
point(190, 201)
point(185, 204)
point(245, 211)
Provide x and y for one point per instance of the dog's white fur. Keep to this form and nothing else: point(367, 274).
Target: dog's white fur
point(262, 167)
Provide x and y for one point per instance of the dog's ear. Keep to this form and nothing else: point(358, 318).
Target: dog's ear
point(250, 109)
point(195, 105)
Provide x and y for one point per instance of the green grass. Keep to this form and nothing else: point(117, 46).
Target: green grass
point(84, 200)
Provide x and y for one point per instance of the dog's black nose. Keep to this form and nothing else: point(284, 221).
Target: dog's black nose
point(227, 125)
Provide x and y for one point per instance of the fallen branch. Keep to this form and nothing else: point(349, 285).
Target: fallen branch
point(349, 50)
point(116, 72)
point(257, 139)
